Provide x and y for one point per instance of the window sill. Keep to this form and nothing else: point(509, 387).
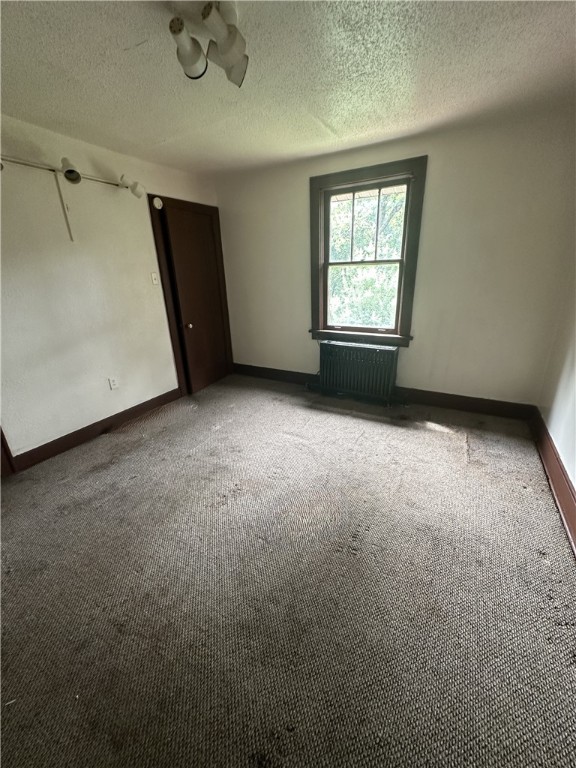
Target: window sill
point(389, 339)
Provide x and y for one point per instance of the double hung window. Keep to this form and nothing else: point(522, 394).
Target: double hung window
point(365, 234)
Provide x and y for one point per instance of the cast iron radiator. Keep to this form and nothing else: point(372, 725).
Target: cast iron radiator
point(358, 369)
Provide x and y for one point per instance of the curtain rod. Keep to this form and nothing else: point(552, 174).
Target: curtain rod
point(42, 167)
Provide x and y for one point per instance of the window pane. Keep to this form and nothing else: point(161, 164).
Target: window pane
point(340, 227)
point(363, 295)
point(365, 216)
point(391, 222)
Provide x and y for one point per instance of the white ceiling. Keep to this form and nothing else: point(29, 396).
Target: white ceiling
point(322, 76)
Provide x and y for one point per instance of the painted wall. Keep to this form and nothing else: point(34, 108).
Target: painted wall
point(558, 397)
point(496, 234)
point(557, 400)
point(76, 313)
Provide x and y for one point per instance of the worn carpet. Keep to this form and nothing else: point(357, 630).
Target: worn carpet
point(258, 576)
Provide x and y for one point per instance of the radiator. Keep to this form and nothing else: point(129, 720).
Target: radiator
point(358, 369)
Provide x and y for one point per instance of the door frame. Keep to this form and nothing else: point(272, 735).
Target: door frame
point(169, 285)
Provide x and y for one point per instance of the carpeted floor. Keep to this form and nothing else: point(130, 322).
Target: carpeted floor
point(262, 577)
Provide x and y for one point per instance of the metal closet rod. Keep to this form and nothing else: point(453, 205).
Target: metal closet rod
point(42, 167)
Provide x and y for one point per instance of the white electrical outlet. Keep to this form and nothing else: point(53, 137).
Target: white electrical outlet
point(113, 383)
point(154, 276)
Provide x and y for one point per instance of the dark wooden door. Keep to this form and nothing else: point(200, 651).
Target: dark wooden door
point(193, 273)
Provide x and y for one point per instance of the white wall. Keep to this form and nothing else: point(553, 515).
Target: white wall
point(496, 234)
point(558, 397)
point(76, 313)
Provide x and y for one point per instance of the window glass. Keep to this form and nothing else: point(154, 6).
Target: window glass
point(363, 295)
point(365, 222)
point(391, 222)
point(341, 227)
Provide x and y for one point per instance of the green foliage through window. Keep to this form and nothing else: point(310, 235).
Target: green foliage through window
point(365, 226)
point(363, 295)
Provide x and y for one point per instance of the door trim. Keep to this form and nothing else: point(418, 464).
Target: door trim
point(162, 241)
point(164, 265)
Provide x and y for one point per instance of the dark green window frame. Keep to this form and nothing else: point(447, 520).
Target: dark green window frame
point(412, 173)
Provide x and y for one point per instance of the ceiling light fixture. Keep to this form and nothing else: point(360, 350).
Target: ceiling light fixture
point(188, 50)
point(226, 49)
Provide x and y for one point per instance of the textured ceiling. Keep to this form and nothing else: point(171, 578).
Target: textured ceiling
point(322, 75)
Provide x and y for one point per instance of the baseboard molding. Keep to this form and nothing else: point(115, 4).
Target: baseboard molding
point(464, 403)
point(275, 374)
point(7, 459)
point(407, 395)
point(560, 484)
point(73, 439)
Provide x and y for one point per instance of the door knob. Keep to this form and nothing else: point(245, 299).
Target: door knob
point(189, 325)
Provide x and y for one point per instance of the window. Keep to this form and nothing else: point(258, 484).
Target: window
point(365, 228)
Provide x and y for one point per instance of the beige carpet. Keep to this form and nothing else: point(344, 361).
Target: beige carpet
point(261, 577)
